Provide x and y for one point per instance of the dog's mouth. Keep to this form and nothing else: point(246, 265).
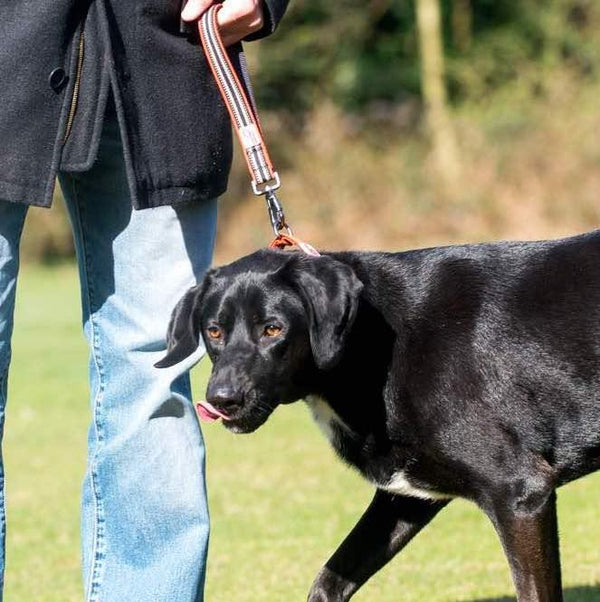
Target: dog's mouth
point(208, 413)
point(245, 420)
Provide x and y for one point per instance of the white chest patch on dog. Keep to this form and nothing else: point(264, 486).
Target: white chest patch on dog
point(399, 484)
point(325, 417)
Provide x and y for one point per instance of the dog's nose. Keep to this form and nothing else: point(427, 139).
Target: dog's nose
point(224, 397)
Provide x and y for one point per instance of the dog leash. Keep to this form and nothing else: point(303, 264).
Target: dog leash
point(240, 104)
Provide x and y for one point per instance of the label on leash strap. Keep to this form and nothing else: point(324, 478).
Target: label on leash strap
point(249, 136)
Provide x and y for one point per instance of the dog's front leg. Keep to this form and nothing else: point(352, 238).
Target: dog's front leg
point(387, 525)
point(530, 539)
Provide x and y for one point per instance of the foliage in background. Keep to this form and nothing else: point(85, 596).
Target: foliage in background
point(362, 55)
point(524, 43)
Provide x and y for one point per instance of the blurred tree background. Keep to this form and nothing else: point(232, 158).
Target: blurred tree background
point(406, 123)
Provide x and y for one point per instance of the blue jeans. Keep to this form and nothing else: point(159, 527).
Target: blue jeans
point(144, 511)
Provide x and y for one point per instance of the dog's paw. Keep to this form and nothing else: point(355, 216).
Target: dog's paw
point(320, 595)
point(329, 587)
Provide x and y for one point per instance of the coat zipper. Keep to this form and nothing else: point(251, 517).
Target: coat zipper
point(76, 86)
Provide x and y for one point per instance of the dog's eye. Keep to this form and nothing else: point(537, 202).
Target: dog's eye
point(272, 330)
point(214, 332)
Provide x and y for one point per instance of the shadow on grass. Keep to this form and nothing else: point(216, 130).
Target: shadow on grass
point(581, 593)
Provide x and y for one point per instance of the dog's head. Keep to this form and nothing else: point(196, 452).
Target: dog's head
point(270, 322)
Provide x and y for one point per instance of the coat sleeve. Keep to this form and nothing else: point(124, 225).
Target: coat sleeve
point(273, 13)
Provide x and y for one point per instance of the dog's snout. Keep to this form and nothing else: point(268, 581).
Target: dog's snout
point(224, 397)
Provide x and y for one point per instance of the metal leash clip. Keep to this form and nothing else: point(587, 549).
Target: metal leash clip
point(276, 214)
point(275, 208)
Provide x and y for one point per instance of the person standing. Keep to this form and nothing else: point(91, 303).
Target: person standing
point(117, 101)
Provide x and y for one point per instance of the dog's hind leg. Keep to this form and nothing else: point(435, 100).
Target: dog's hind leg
point(387, 525)
point(530, 539)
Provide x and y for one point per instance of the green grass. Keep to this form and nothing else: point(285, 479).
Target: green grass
point(280, 501)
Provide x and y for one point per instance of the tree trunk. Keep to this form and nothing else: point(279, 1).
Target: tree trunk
point(439, 125)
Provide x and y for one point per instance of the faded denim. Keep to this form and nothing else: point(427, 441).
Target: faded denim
point(145, 522)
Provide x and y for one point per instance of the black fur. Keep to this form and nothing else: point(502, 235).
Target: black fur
point(474, 370)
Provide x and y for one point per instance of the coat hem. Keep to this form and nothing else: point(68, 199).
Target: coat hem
point(177, 196)
point(174, 195)
point(25, 195)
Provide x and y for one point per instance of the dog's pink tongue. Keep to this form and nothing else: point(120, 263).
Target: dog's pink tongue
point(208, 413)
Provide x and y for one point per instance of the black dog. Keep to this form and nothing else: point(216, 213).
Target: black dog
point(469, 371)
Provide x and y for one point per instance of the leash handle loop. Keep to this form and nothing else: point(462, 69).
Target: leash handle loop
point(243, 116)
point(242, 110)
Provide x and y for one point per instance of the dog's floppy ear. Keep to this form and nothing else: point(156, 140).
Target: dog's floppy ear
point(183, 333)
point(330, 291)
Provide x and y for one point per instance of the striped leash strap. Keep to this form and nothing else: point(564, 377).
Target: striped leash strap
point(265, 180)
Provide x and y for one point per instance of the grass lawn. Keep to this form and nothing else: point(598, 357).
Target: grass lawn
point(280, 500)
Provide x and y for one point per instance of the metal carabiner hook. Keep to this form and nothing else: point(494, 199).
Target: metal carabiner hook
point(276, 214)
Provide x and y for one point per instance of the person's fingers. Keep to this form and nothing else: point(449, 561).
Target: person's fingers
point(193, 9)
point(236, 18)
point(239, 18)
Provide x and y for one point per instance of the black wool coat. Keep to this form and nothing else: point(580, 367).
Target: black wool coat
point(59, 61)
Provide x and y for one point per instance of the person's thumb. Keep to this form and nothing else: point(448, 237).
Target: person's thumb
point(194, 8)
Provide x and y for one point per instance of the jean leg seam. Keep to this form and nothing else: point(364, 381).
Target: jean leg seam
point(4, 369)
point(3, 400)
point(97, 555)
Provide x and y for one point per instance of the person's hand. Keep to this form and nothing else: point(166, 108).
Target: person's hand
point(236, 19)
